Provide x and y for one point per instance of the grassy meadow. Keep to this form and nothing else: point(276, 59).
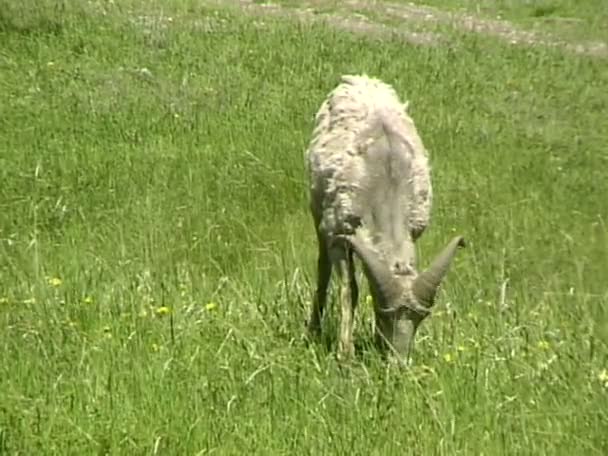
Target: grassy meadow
point(157, 257)
point(572, 18)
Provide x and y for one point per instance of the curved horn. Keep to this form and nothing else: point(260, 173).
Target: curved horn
point(425, 286)
point(380, 272)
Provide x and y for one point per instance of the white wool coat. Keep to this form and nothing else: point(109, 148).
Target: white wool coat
point(368, 168)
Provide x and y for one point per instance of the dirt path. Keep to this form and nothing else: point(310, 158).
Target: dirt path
point(413, 23)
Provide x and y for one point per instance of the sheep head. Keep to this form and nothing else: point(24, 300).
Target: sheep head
point(403, 299)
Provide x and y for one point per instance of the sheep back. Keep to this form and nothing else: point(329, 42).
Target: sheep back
point(352, 117)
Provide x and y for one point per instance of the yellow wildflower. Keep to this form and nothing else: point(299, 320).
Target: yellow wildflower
point(3, 301)
point(211, 306)
point(163, 310)
point(448, 358)
point(88, 300)
point(55, 282)
point(603, 377)
point(461, 348)
point(155, 347)
point(543, 344)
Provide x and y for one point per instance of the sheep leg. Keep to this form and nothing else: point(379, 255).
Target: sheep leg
point(348, 297)
point(320, 298)
point(352, 279)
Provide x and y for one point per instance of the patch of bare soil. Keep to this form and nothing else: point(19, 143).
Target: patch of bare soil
point(349, 21)
point(494, 27)
point(411, 19)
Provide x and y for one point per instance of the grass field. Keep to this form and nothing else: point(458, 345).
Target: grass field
point(570, 20)
point(157, 257)
point(573, 18)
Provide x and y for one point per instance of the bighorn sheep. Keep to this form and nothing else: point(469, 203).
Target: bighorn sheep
point(371, 194)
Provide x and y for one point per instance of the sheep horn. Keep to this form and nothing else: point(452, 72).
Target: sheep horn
point(427, 283)
point(385, 281)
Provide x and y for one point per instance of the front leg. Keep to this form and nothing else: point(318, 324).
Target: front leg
point(348, 295)
point(320, 298)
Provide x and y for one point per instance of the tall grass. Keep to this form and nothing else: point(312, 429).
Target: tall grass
point(157, 255)
point(570, 19)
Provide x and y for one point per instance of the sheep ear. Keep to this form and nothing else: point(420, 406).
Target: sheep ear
point(387, 284)
point(427, 283)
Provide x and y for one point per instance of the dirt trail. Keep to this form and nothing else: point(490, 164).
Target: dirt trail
point(409, 22)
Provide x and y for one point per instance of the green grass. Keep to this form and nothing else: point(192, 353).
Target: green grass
point(152, 168)
point(572, 19)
